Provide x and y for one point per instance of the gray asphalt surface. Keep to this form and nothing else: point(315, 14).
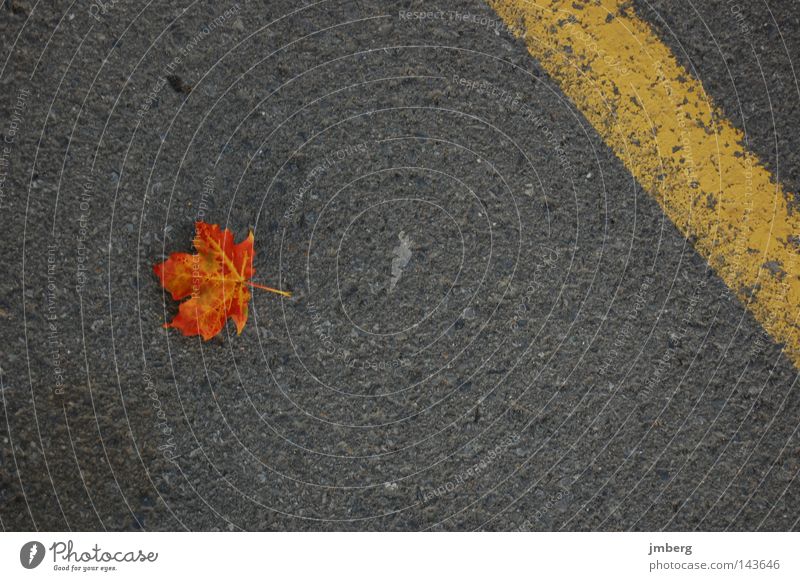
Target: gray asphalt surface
point(493, 327)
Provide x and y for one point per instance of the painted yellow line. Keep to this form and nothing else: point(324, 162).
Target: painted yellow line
point(659, 121)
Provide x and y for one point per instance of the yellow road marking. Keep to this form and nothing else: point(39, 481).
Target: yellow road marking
point(659, 121)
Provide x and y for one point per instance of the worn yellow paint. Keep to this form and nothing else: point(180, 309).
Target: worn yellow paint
point(659, 121)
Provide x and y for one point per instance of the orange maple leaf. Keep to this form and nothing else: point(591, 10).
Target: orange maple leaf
point(217, 279)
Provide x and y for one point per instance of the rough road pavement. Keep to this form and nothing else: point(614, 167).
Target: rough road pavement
point(493, 326)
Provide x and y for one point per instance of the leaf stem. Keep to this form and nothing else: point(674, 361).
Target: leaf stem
point(268, 288)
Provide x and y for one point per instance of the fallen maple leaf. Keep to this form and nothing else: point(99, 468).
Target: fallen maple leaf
point(217, 278)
